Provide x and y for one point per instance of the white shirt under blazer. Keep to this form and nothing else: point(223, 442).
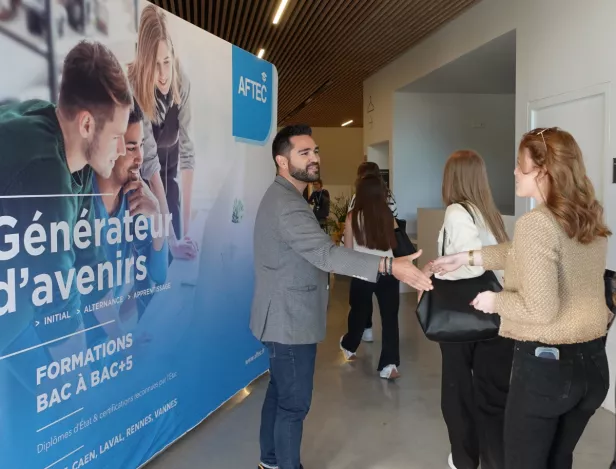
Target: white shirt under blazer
point(464, 234)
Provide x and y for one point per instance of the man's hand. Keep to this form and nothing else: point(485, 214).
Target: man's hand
point(404, 270)
point(185, 248)
point(427, 270)
point(142, 201)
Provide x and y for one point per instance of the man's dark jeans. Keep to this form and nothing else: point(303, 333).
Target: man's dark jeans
point(287, 403)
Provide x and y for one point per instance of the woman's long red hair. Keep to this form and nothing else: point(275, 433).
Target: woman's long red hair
point(570, 193)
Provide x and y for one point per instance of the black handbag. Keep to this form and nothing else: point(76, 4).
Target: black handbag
point(404, 246)
point(446, 315)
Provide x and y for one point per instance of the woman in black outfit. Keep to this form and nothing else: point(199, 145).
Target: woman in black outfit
point(370, 229)
point(365, 169)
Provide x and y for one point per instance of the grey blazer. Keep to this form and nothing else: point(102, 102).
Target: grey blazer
point(292, 258)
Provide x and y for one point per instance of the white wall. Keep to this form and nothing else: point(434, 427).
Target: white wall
point(379, 154)
point(570, 52)
point(484, 22)
point(562, 47)
point(429, 127)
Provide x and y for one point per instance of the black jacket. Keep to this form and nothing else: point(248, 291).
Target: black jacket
point(321, 202)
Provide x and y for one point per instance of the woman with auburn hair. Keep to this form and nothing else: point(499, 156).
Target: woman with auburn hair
point(552, 304)
point(370, 229)
point(163, 93)
point(475, 375)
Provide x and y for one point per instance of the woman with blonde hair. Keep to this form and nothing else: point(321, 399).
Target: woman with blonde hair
point(552, 305)
point(475, 375)
point(163, 93)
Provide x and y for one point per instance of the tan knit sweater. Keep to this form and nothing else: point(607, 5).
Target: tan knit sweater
point(554, 289)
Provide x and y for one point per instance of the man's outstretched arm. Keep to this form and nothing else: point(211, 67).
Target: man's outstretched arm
point(301, 231)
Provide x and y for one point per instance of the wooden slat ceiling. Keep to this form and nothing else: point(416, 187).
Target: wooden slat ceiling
point(322, 49)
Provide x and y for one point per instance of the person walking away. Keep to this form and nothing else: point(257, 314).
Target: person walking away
point(371, 230)
point(364, 169)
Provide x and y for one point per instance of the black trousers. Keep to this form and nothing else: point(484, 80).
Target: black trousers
point(475, 384)
point(387, 290)
point(352, 298)
point(550, 403)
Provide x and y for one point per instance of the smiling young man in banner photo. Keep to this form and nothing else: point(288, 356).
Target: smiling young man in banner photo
point(126, 193)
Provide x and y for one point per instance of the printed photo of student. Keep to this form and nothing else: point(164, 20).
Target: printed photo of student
point(162, 90)
point(49, 157)
point(123, 192)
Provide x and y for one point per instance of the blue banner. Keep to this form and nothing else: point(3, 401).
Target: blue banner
point(126, 271)
point(253, 96)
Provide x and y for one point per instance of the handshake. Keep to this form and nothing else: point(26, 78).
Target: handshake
point(405, 271)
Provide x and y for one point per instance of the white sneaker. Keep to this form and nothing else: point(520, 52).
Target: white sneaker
point(390, 372)
point(450, 461)
point(368, 337)
point(347, 355)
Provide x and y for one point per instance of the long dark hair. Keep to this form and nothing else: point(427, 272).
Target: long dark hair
point(377, 221)
point(366, 168)
point(371, 168)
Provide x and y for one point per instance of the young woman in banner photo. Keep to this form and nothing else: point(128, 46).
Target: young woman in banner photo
point(163, 93)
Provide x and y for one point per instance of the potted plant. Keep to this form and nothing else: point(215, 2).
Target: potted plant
point(337, 212)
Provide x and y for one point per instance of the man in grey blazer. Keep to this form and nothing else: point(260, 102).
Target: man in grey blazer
point(293, 258)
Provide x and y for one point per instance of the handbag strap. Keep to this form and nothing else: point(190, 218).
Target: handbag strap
point(445, 231)
point(469, 211)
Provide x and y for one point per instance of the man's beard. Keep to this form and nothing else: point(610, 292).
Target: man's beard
point(303, 175)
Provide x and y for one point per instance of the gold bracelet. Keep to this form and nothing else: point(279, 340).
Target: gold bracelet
point(471, 258)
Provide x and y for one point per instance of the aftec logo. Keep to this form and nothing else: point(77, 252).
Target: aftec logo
point(252, 97)
point(256, 90)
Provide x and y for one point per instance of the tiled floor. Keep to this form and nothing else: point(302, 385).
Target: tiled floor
point(357, 420)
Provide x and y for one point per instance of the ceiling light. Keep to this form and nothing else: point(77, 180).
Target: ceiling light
point(280, 11)
point(261, 53)
point(347, 123)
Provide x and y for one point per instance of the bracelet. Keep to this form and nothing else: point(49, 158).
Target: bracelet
point(386, 266)
point(384, 270)
point(390, 268)
point(471, 258)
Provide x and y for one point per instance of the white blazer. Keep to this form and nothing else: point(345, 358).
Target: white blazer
point(464, 234)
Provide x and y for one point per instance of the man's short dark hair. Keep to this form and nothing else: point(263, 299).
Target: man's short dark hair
point(136, 114)
point(93, 81)
point(282, 142)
